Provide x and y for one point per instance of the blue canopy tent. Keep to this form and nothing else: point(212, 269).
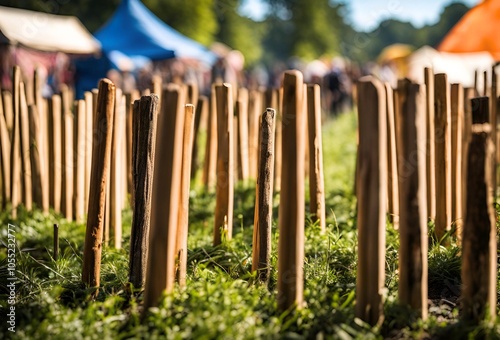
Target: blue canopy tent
point(135, 32)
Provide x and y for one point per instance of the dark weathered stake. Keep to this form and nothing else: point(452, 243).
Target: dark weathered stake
point(56, 242)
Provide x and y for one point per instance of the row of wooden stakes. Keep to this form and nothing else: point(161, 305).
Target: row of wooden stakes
point(426, 152)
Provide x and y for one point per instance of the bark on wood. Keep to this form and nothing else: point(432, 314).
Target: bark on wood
point(430, 145)
point(183, 224)
point(479, 245)
point(442, 121)
point(316, 177)
point(165, 197)
point(457, 126)
point(392, 164)
point(372, 198)
point(263, 226)
point(145, 115)
point(101, 158)
point(413, 207)
point(223, 221)
point(291, 208)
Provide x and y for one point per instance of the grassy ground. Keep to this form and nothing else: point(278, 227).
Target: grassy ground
point(221, 299)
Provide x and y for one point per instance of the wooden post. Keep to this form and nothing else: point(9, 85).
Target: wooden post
point(89, 115)
point(431, 146)
point(79, 134)
point(225, 163)
point(56, 242)
point(413, 206)
point(372, 198)
point(8, 109)
point(201, 110)
point(101, 157)
point(25, 149)
point(479, 244)
point(316, 177)
point(165, 197)
point(15, 153)
point(442, 121)
point(457, 127)
point(467, 133)
point(38, 174)
point(254, 110)
point(55, 153)
point(279, 138)
point(5, 150)
point(130, 98)
point(392, 163)
point(292, 197)
point(210, 164)
point(263, 225)
point(67, 172)
point(242, 142)
point(145, 115)
point(183, 224)
point(43, 137)
point(192, 94)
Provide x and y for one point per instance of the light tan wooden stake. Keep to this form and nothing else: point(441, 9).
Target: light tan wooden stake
point(145, 115)
point(431, 146)
point(223, 221)
point(36, 159)
point(392, 163)
point(372, 197)
point(457, 127)
point(254, 110)
point(27, 186)
point(479, 244)
point(5, 149)
point(79, 165)
point(210, 163)
point(242, 143)
point(165, 196)
point(101, 158)
point(442, 121)
point(89, 131)
point(292, 197)
point(201, 110)
point(55, 153)
point(183, 224)
point(412, 200)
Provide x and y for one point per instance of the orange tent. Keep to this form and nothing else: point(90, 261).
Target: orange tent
point(477, 31)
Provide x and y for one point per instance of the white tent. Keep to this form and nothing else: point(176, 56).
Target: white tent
point(459, 67)
point(45, 32)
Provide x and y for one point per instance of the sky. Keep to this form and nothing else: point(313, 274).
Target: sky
point(365, 15)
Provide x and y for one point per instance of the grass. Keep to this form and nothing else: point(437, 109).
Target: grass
point(222, 299)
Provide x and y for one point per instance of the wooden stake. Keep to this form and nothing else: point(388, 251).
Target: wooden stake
point(242, 142)
point(25, 149)
point(130, 98)
point(145, 115)
point(15, 153)
point(89, 115)
point(55, 153)
point(392, 163)
point(372, 198)
point(225, 163)
point(56, 242)
point(210, 163)
point(431, 146)
point(263, 225)
point(36, 159)
point(316, 177)
point(5, 150)
point(479, 244)
point(165, 196)
point(457, 126)
point(79, 159)
point(67, 171)
point(278, 144)
point(183, 224)
point(413, 207)
point(292, 197)
point(442, 121)
point(101, 158)
point(201, 110)
point(8, 110)
point(254, 110)
point(466, 137)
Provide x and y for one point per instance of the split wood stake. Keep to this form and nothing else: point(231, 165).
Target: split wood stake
point(101, 157)
point(254, 110)
point(316, 176)
point(263, 225)
point(442, 121)
point(210, 163)
point(192, 94)
point(372, 197)
point(272, 100)
point(479, 244)
point(130, 99)
point(68, 171)
point(36, 159)
point(56, 242)
point(223, 221)
point(116, 179)
point(201, 110)
point(183, 224)
point(467, 133)
point(457, 127)
point(145, 115)
point(430, 145)
point(8, 110)
point(5, 161)
point(242, 132)
point(89, 115)
point(392, 163)
point(412, 200)
point(79, 165)
point(292, 197)
point(15, 154)
point(165, 196)
point(25, 149)
point(278, 144)
point(55, 153)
